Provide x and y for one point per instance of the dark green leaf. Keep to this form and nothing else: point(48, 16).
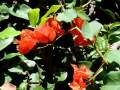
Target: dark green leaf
point(9, 32)
point(5, 42)
point(33, 15)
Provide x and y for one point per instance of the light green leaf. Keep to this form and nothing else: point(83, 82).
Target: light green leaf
point(112, 78)
point(62, 77)
point(33, 15)
point(34, 77)
point(82, 14)
point(3, 17)
point(102, 43)
point(7, 78)
point(23, 85)
point(4, 9)
point(53, 9)
point(21, 12)
point(113, 56)
point(38, 88)
point(5, 42)
point(30, 64)
point(91, 29)
point(68, 15)
point(9, 32)
point(10, 56)
point(110, 87)
point(17, 69)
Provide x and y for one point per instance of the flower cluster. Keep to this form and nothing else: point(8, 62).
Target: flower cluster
point(42, 34)
point(48, 32)
point(79, 77)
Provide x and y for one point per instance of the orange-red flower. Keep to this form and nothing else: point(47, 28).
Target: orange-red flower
point(78, 22)
point(26, 42)
point(80, 74)
point(55, 25)
point(45, 34)
point(79, 39)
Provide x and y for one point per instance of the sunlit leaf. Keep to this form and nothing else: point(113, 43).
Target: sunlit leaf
point(38, 88)
point(17, 69)
point(10, 56)
point(68, 15)
point(9, 32)
point(113, 56)
point(5, 42)
point(91, 29)
point(102, 43)
point(62, 77)
point(33, 15)
point(21, 12)
point(53, 9)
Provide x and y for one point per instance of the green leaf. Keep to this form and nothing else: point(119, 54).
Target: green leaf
point(33, 15)
point(38, 88)
point(91, 29)
point(110, 87)
point(10, 56)
point(9, 32)
point(62, 77)
point(72, 4)
point(82, 14)
point(102, 43)
point(17, 69)
point(34, 77)
point(112, 78)
point(3, 17)
point(29, 63)
point(68, 15)
point(53, 9)
point(7, 78)
point(87, 63)
point(4, 9)
point(5, 42)
point(113, 56)
point(114, 25)
point(23, 85)
point(21, 11)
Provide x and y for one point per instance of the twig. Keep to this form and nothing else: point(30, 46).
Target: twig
point(87, 3)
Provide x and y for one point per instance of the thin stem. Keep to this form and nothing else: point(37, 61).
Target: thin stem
point(87, 3)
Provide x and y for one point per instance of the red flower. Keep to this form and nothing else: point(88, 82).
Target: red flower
point(80, 74)
point(79, 39)
point(78, 22)
point(55, 25)
point(45, 34)
point(26, 42)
